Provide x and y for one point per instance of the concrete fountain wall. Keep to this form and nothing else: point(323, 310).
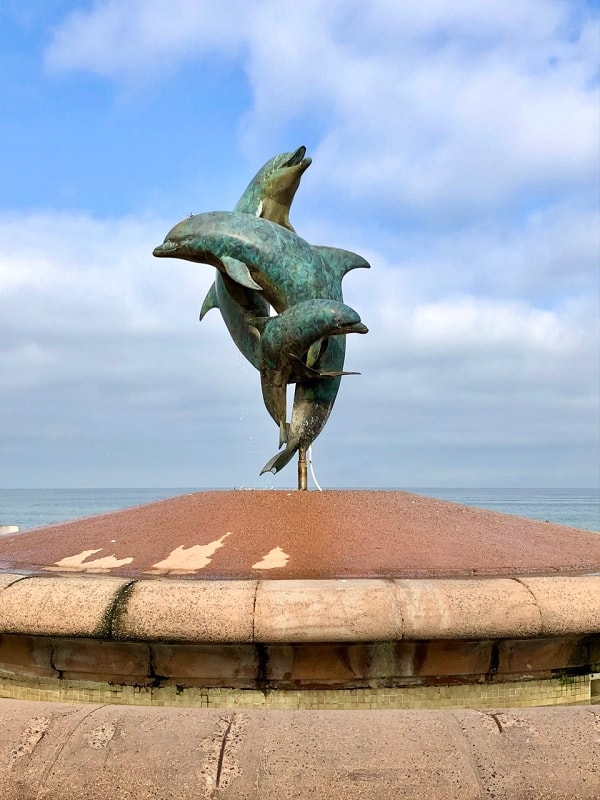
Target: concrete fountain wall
point(296, 603)
point(300, 644)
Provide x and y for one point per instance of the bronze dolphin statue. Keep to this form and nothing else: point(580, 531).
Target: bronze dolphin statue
point(286, 267)
point(289, 271)
point(268, 195)
point(284, 345)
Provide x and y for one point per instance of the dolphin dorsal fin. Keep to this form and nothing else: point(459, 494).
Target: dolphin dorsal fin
point(341, 261)
point(210, 301)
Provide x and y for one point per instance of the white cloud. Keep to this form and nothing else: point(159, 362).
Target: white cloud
point(102, 354)
point(456, 149)
point(119, 37)
point(421, 104)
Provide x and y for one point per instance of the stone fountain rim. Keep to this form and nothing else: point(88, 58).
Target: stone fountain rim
point(262, 611)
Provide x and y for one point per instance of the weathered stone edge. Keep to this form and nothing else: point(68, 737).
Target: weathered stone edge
point(356, 610)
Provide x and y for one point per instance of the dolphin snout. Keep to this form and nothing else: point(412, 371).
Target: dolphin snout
point(164, 249)
point(355, 327)
point(297, 159)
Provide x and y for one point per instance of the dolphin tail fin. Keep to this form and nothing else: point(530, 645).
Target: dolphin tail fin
point(279, 461)
point(210, 301)
point(308, 372)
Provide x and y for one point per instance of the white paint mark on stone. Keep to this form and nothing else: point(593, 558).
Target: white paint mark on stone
point(184, 560)
point(275, 558)
point(78, 562)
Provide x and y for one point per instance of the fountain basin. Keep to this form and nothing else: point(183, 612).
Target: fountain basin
point(302, 600)
point(351, 635)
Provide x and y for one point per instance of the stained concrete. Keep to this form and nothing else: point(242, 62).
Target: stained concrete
point(97, 752)
point(38, 606)
point(299, 611)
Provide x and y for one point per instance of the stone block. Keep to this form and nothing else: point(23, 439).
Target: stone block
point(466, 609)
point(443, 658)
point(59, 606)
point(104, 661)
point(187, 611)
point(316, 665)
point(214, 665)
point(326, 611)
point(528, 657)
point(594, 645)
point(568, 605)
point(26, 655)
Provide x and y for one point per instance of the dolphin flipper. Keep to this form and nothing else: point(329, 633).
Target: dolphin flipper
point(240, 273)
point(314, 351)
point(210, 301)
point(308, 372)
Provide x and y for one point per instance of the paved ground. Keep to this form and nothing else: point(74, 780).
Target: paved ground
point(94, 752)
point(300, 535)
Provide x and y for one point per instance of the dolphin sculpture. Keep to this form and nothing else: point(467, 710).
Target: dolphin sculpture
point(268, 195)
point(289, 271)
point(285, 341)
point(286, 267)
point(313, 402)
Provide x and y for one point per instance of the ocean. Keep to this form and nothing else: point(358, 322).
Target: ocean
point(32, 508)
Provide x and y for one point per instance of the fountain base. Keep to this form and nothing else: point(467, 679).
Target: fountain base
point(282, 606)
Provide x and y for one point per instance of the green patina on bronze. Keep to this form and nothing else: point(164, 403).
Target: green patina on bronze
point(286, 267)
point(262, 262)
point(268, 195)
point(284, 343)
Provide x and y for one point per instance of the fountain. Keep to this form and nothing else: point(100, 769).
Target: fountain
point(263, 265)
point(216, 633)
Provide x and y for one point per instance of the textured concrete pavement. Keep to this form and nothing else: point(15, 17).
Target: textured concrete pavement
point(51, 751)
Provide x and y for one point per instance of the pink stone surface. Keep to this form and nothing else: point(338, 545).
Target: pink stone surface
point(36, 606)
point(565, 607)
point(303, 535)
point(104, 752)
point(478, 608)
point(327, 610)
point(215, 611)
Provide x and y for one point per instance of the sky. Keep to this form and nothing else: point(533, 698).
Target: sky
point(455, 146)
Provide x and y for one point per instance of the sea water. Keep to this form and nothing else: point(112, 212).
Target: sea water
point(578, 508)
point(32, 508)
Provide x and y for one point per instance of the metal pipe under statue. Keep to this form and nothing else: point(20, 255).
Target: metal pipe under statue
point(263, 266)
